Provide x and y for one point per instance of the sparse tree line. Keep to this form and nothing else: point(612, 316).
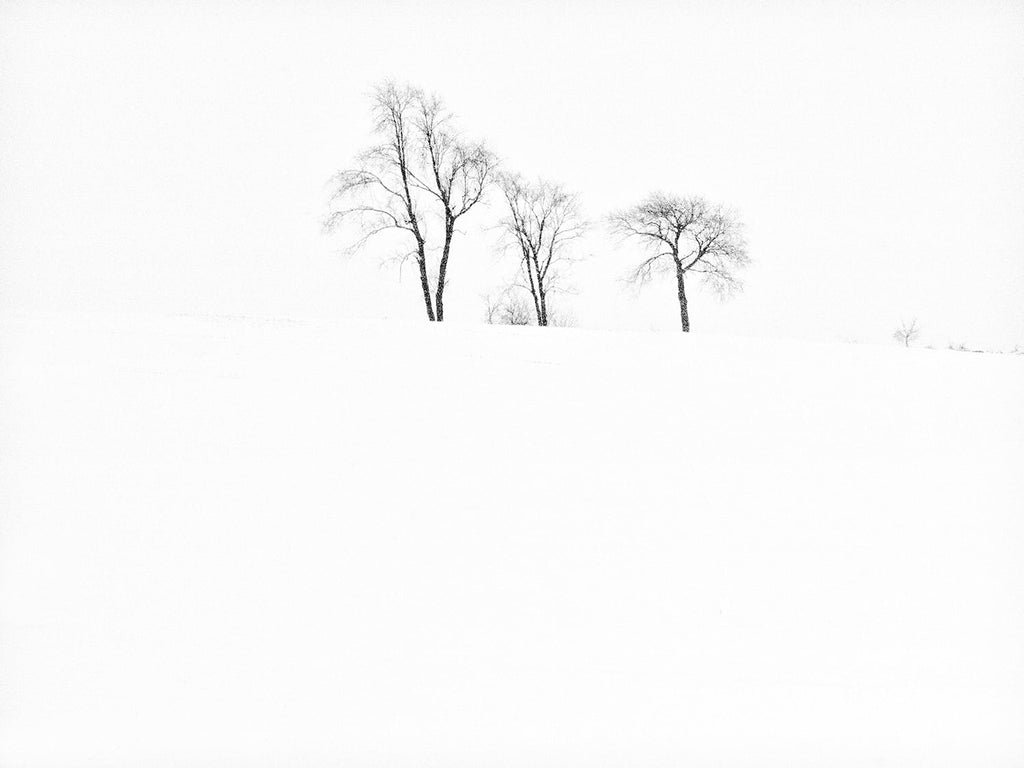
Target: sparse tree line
point(423, 178)
point(909, 331)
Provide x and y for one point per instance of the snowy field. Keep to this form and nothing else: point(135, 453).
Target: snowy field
point(230, 542)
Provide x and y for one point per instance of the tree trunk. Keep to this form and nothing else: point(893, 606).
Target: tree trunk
point(421, 262)
point(449, 231)
point(684, 314)
point(533, 286)
point(543, 311)
point(538, 308)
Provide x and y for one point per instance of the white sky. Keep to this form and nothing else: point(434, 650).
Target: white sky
point(173, 158)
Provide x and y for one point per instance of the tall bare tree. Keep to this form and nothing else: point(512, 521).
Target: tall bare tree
point(459, 172)
point(541, 223)
point(684, 235)
point(422, 170)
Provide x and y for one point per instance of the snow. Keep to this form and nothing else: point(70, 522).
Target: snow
point(231, 541)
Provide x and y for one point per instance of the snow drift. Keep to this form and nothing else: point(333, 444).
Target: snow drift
point(236, 542)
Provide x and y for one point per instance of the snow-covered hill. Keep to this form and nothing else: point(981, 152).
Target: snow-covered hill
point(249, 543)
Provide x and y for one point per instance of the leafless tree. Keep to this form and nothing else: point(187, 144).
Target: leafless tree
point(506, 309)
point(459, 172)
point(541, 224)
point(562, 319)
point(422, 170)
point(907, 332)
point(684, 235)
point(962, 347)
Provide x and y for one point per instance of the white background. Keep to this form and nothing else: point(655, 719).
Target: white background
point(245, 521)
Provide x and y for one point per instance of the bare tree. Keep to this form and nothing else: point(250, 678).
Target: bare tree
point(684, 235)
point(962, 347)
point(907, 332)
point(541, 223)
point(459, 172)
point(506, 309)
point(562, 319)
point(422, 169)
